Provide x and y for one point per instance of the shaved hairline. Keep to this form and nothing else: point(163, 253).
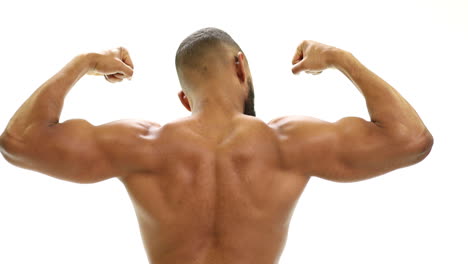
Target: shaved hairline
point(202, 44)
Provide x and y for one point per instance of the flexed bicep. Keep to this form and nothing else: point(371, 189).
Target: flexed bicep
point(80, 152)
point(352, 148)
point(348, 150)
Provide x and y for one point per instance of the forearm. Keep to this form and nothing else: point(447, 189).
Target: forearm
point(44, 106)
point(387, 108)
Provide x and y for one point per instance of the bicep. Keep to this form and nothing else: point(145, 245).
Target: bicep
point(67, 151)
point(78, 151)
point(350, 149)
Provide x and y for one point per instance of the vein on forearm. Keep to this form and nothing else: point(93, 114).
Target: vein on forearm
point(45, 105)
point(385, 104)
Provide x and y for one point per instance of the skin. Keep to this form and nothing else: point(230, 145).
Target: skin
point(218, 186)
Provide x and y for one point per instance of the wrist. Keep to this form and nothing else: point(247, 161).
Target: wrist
point(336, 57)
point(341, 59)
point(87, 61)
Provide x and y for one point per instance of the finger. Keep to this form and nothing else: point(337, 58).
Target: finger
point(125, 69)
point(299, 55)
point(118, 75)
point(298, 67)
point(112, 79)
point(126, 57)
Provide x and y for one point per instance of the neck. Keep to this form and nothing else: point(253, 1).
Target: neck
point(218, 101)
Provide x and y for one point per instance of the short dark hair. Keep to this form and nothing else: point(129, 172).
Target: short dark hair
point(200, 43)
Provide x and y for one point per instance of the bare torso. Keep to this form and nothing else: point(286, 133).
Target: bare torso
point(221, 195)
point(223, 191)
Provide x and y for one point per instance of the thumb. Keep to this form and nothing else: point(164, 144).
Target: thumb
point(298, 67)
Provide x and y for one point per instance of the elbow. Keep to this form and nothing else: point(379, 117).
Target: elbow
point(10, 148)
point(428, 142)
point(4, 144)
point(5, 147)
point(420, 146)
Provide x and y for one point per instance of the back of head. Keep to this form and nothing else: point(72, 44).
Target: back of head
point(210, 55)
point(203, 51)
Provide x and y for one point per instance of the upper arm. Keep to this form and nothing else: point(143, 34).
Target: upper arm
point(350, 149)
point(77, 151)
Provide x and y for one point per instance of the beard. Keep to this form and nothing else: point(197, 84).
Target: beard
point(249, 108)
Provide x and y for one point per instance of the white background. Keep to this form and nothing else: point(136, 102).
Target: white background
point(412, 215)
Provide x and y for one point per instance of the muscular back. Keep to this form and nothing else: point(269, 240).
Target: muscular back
point(219, 194)
point(209, 191)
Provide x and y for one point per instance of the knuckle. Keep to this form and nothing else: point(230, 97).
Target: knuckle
point(123, 50)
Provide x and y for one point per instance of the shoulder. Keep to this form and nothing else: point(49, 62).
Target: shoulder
point(255, 126)
point(177, 128)
point(135, 124)
point(127, 129)
point(303, 140)
point(296, 124)
point(126, 138)
point(292, 119)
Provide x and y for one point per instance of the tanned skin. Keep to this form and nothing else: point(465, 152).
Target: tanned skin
point(218, 186)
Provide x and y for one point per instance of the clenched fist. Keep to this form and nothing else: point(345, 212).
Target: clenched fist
point(114, 64)
point(312, 57)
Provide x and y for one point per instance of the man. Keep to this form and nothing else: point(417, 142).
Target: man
point(219, 186)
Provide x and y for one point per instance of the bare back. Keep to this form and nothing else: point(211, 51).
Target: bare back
point(221, 191)
point(221, 195)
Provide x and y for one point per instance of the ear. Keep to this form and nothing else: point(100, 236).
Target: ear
point(184, 100)
point(241, 69)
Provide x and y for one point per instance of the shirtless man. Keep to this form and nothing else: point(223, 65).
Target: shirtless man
point(219, 186)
